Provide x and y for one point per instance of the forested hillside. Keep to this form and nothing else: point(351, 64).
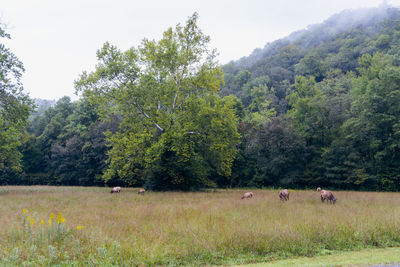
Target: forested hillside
point(320, 107)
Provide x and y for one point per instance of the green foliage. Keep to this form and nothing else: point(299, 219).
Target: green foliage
point(306, 109)
point(66, 145)
point(311, 65)
point(173, 119)
point(337, 43)
point(342, 107)
point(373, 129)
point(280, 153)
point(259, 111)
point(15, 108)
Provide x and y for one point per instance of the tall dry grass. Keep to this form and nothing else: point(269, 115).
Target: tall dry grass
point(192, 228)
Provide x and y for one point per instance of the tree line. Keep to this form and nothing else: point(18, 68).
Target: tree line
point(307, 111)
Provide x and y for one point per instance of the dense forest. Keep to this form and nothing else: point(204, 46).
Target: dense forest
point(320, 107)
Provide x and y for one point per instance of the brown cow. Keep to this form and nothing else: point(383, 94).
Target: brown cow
point(284, 195)
point(247, 195)
point(116, 189)
point(327, 195)
point(332, 199)
point(141, 191)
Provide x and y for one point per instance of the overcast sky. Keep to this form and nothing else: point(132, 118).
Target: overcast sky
point(57, 40)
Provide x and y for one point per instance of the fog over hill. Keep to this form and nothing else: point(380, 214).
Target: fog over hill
point(41, 106)
point(315, 34)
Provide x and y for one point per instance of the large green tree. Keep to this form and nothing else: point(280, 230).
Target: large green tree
point(176, 132)
point(15, 107)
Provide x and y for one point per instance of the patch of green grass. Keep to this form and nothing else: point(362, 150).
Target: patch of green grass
point(349, 258)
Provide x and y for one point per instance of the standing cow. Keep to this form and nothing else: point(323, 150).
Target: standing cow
point(116, 189)
point(247, 195)
point(326, 195)
point(141, 191)
point(284, 195)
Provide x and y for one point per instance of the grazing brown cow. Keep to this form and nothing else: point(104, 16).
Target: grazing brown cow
point(116, 189)
point(327, 195)
point(284, 195)
point(247, 195)
point(141, 191)
point(332, 199)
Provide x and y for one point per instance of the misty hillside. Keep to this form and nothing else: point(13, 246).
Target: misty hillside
point(337, 43)
point(41, 106)
point(321, 106)
point(316, 34)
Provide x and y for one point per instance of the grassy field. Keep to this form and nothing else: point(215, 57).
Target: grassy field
point(89, 226)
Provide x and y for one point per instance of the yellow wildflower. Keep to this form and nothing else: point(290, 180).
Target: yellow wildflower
point(41, 221)
point(29, 218)
point(80, 227)
point(60, 218)
point(32, 221)
point(24, 211)
point(52, 215)
point(49, 221)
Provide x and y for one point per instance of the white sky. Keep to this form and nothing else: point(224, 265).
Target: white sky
point(57, 40)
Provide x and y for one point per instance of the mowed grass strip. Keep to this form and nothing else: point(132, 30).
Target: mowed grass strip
point(367, 257)
point(192, 228)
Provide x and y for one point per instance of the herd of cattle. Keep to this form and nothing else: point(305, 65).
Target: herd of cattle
point(283, 194)
point(118, 190)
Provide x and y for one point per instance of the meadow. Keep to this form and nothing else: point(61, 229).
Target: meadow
point(78, 226)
